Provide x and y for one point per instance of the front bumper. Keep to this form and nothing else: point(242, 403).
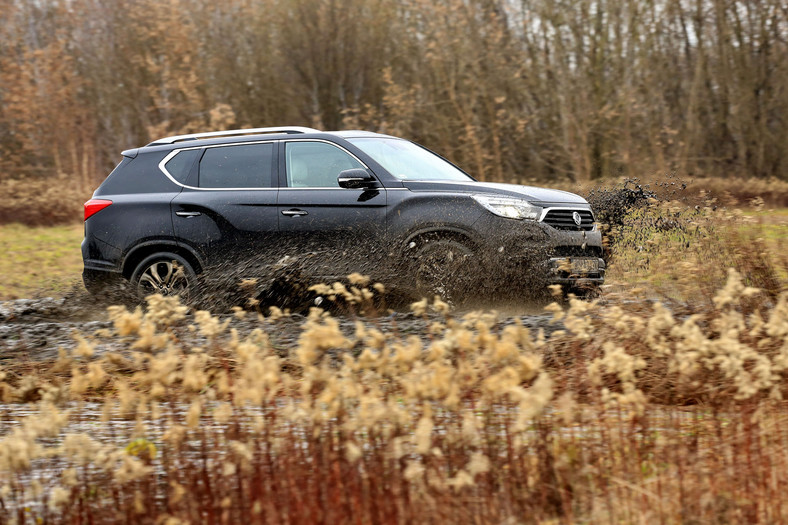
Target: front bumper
point(535, 254)
point(561, 271)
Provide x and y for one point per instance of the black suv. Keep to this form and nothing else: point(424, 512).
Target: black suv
point(354, 200)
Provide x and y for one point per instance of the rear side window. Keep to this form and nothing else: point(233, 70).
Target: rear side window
point(244, 166)
point(181, 164)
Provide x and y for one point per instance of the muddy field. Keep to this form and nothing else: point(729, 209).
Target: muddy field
point(256, 415)
point(35, 329)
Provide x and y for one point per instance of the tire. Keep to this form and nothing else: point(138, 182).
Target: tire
point(164, 273)
point(447, 268)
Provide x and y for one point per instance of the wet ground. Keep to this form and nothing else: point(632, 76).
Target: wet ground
point(34, 329)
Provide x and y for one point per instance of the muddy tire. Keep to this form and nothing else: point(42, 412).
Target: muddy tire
point(164, 273)
point(447, 268)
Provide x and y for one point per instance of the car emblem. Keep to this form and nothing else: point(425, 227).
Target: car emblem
point(577, 218)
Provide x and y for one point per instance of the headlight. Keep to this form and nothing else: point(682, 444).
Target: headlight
point(509, 207)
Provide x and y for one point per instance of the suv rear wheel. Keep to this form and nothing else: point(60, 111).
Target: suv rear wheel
point(163, 273)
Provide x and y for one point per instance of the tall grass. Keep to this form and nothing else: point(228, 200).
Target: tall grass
point(634, 411)
point(682, 253)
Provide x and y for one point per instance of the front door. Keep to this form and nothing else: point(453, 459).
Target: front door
point(336, 230)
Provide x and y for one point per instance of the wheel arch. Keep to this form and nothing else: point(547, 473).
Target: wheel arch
point(141, 251)
point(440, 233)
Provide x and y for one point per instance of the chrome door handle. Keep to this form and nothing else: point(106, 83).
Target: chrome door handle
point(187, 213)
point(294, 213)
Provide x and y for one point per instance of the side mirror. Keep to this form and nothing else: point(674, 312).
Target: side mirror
point(356, 178)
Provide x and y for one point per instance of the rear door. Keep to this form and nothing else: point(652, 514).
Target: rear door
point(227, 209)
point(339, 229)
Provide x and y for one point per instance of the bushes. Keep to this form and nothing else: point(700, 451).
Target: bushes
point(40, 202)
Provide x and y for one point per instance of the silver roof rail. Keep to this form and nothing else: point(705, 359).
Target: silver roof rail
point(232, 132)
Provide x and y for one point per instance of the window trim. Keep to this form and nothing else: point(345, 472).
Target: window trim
point(174, 152)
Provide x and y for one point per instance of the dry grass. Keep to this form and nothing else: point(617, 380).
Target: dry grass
point(40, 260)
point(638, 411)
point(682, 253)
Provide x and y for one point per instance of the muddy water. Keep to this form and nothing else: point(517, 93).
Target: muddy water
point(35, 329)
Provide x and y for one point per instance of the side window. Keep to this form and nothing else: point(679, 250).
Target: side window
point(245, 166)
point(316, 164)
point(181, 164)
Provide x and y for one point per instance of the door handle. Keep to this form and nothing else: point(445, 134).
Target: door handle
point(187, 213)
point(294, 213)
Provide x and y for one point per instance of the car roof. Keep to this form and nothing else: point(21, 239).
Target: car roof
point(245, 135)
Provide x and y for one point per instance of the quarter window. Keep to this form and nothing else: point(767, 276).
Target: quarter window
point(181, 164)
point(244, 166)
point(316, 164)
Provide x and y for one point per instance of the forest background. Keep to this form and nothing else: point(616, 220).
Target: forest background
point(511, 90)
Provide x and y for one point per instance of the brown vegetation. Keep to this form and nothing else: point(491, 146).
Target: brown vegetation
point(512, 91)
point(635, 411)
point(41, 201)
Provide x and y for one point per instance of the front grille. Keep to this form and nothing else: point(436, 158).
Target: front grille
point(562, 220)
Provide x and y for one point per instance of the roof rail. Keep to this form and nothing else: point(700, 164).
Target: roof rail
point(232, 132)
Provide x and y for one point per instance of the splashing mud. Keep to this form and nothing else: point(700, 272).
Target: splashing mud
point(613, 207)
point(466, 280)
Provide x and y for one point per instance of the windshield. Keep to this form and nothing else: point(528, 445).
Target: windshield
point(408, 161)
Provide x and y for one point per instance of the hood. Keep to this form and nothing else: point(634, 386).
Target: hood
point(530, 193)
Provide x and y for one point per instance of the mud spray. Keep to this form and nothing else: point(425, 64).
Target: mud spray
point(287, 276)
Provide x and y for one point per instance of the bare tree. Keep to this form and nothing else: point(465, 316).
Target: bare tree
point(512, 90)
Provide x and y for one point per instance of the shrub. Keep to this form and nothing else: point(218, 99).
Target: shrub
point(40, 202)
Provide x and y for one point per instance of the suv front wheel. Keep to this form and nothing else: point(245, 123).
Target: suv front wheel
point(447, 268)
point(163, 273)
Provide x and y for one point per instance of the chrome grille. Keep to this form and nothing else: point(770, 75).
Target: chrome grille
point(562, 220)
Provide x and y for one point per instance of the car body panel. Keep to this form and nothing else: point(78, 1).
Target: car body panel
point(539, 196)
point(413, 213)
point(131, 220)
point(217, 223)
point(324, 218)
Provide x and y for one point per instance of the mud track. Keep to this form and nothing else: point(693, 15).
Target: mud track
point(35, 329)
